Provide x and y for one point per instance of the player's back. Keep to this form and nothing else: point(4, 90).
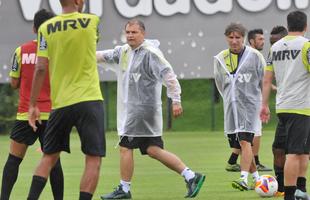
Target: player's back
point(23, 69)
point(292, 76)
point(69, 42)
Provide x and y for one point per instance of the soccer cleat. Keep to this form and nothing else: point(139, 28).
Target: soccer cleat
point(263, 168)
point(118, 193)
point(240, 184)
point(300, 195)
point(279, 194)
point(194, 185)
point(232, 167)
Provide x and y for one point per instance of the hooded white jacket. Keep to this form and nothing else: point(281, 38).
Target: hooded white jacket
point(241, 91)
point(140, 75)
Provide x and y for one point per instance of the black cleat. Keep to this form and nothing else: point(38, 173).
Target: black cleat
point(118, 193)
point(194, 185)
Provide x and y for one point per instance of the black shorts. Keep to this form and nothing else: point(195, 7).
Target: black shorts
point(297, 128)
point(23, 133)
point(141, 142)
point(279, 141)
point(234, 139)
point(87, 117)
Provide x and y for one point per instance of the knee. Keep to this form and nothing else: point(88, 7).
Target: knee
point(244, 144)
point(50, 159)
point(124, 150)
point(236, 151)
point(153, 152)
point(278, 152)
point(93, 162)
point(57, 165)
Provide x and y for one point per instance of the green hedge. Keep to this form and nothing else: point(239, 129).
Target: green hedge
point(199, 109)
point(9, 100)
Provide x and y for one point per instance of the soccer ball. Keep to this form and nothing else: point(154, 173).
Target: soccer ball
point(267, 186)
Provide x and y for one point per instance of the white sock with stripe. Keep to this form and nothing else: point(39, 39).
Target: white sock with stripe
point(188, 174)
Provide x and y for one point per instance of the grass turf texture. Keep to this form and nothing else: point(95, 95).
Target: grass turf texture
point(205, 152)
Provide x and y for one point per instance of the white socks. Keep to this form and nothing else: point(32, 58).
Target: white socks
point(188, 174)
point(244, 176)
point(125, 186)
point(255, 176)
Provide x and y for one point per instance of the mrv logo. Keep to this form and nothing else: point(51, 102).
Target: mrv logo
point(242, 78)
point(285, 55)
point(64, 25)
point(29, 58)
point(246, 77)
point(133, 8)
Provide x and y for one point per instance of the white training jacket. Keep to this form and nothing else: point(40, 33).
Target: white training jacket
point(241, 92)
point(140, 75)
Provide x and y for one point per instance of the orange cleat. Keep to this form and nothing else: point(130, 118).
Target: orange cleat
point(279, 194)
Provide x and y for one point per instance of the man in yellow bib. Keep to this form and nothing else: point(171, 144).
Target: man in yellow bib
point(67, 44)
point(289, 63)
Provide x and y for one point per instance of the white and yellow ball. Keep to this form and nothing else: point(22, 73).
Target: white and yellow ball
point(267, 186)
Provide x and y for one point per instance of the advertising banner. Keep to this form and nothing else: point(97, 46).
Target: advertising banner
point(191, 32)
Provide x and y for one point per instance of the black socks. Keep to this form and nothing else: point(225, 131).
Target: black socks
point(85, 196)
point(57, 181)
point(301, 184)
point(279, 172)
point(233, 159)
point(9, 176)
point(37, 186)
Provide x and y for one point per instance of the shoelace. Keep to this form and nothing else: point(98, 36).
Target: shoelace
point(117, 189)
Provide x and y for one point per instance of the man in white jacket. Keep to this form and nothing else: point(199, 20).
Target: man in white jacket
point(142, 70)
point(238, 75)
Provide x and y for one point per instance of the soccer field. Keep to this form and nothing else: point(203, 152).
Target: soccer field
point(205, 152)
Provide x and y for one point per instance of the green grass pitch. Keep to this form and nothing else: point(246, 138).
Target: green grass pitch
point(205, 152)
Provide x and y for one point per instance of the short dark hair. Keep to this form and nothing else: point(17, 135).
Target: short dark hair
point(235, 27)
point(40, 17)
point(253, 32)
point(296, 21)
point(136, 21)
point(277, 33)
point(281, 30)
